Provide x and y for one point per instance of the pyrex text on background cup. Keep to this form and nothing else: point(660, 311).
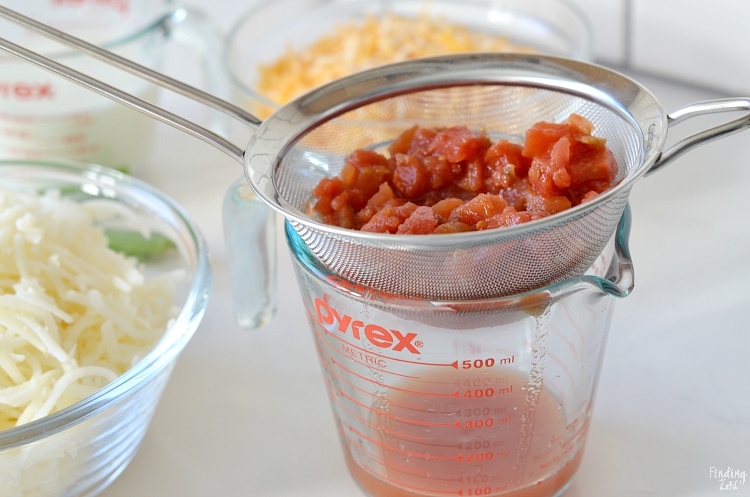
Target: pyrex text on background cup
point(44, 116)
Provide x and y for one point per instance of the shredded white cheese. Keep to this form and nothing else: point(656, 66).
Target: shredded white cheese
point(74, 314)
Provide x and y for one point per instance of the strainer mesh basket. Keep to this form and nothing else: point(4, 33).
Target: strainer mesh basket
point(457, 266)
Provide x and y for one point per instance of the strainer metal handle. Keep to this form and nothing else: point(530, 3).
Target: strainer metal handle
point(700, 138)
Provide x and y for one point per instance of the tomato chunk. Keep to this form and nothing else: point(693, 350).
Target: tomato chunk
point(451, 180)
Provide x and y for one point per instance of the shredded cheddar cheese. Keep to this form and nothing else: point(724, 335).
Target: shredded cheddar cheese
point(356, 46)
point(74, 314)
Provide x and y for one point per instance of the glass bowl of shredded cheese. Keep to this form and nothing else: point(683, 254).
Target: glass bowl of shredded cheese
point(103, 281)
point(282, 48)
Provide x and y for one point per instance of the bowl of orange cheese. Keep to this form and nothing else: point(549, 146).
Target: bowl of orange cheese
point(281, 49)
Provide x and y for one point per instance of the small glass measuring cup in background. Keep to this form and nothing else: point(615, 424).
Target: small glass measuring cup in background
point(484, 397)
point(265, 33)
point(45, 116)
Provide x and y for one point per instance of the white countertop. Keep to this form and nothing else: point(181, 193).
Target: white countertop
point(246, 412)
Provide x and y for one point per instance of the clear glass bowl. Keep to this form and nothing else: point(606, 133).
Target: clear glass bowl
point(80, 450)
point(261, 35)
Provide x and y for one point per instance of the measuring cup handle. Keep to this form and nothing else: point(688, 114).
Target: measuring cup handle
point(702, 108)
point(250, 241)
point(197, 31)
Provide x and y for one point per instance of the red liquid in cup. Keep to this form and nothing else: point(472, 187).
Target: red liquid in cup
point(466, 435)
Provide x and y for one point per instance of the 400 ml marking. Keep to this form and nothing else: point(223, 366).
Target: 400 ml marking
point(376, 335)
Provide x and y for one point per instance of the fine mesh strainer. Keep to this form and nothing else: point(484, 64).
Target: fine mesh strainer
point(308, 139)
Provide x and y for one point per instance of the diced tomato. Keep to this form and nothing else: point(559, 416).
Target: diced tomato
point(402, 143)
point(453, 227)
point(591, 161)
point(379, 199)
point(450, 180)
point(509, 217)
point(362, 158)
point(473, 177)
point(422, 221)
point(325, 192)
point(580, 124)
point(365, 214)
point(365, 170)
point(410, 178)
point(541, 137)
point(443, 173)
point(548, 205)
point(590, 195)
point(459, 143)
point(504, 164)
point(421, 140)
point(483, 206)
point(389, 218)
point(443, 208)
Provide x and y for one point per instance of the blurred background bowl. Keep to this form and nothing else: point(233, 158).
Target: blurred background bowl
point(80, 450)
point(265, 32)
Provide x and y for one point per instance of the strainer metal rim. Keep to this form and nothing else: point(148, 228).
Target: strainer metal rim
point(617, 92)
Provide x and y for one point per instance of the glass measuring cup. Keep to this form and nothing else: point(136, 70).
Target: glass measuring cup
point(490, 397)
point(45, 116)
point(628, 107)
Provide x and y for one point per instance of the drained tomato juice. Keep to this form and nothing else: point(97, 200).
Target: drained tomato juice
point(495, 437)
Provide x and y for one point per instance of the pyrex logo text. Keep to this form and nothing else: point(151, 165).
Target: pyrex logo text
point(377, 335)
point(122, 6)
point(26, 91)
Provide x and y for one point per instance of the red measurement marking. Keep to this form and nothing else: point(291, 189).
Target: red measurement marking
point(372, 394)
point(368, 422)
point(576, 436)
point(401, 485)
point(457, 424)
point(574, 325)
point(374, 457)
point(120, 6)
point(416, 455)
point(391, 387)
point(365, 363)
point(343, 379)
point(349, 344)
point(569, 376)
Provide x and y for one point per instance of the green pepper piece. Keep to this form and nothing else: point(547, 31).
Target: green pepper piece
point(134, 244)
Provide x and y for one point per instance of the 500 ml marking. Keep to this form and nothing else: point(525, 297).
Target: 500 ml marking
point(486, 363)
